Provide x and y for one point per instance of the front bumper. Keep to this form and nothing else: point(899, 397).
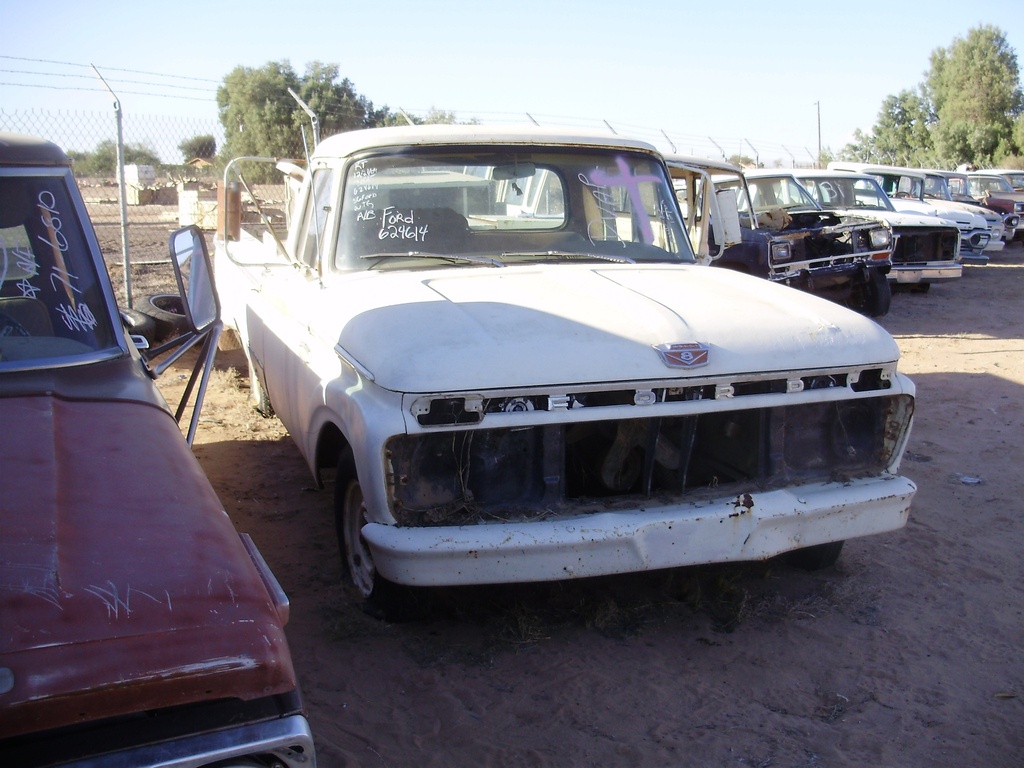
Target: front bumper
point(752, 526)
point(973, 246)
point(924, 273)
point(973, 257)
point(289, 740)
point(824, 277)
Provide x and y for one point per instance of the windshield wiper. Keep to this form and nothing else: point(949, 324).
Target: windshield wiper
point(568, 255)
point(471, 258)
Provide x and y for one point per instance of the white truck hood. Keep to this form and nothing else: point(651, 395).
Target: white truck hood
point(897, 218)
point(952, 212)
point(472, 329)
point(961, 211)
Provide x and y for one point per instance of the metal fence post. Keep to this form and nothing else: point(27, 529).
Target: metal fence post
point(122, 191)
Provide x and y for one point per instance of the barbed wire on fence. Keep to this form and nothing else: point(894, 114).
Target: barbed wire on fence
point(42, 73)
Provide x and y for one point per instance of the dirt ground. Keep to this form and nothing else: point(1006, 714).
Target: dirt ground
point(906, 653)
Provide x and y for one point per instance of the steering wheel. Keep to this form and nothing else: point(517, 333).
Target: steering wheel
point(11, 327)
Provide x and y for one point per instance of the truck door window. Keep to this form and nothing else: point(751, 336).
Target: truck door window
point(314, 229)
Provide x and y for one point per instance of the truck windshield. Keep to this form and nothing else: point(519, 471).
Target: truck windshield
point(779, 192)
point(936, 188)
point(51, 300)
point(507, 204)
point(980, 186)
point(894, 185)
point(854, 192)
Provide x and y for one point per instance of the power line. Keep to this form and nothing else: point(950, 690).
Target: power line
point(102, 90)
point(89, 77)
point(111, 69)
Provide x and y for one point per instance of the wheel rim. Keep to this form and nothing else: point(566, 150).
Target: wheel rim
point(357, 555)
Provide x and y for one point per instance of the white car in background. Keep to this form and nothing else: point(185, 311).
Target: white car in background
point(1015, 176)
point(926, 249)
point(936, 189)
point(905, 188)
point(994, 189)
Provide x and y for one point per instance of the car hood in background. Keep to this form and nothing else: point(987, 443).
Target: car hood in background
point(899, 218)
point(123, 584)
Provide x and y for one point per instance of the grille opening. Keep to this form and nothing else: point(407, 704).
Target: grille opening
point(463, 477)
point(768, 387)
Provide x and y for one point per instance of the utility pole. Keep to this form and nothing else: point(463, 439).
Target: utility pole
point(818, 161)
point(122, 191)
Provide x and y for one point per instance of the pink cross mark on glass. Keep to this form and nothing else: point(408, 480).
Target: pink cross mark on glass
point(631, 183)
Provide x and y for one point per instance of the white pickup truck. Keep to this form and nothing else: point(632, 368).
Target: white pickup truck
point(925, 250)
point(499, 344)
point(908, 190)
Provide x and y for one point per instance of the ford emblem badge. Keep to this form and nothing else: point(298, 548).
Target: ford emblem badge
point(684, 355)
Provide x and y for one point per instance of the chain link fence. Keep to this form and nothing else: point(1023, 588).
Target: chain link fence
point(159, 197)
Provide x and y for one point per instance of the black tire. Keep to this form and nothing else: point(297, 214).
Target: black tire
point(260, 398)
point(875, 295)
point(349, 518)
point(815, 558)
point(167, 311)
point(139, 324)
point(882, 293)
point(381, 598)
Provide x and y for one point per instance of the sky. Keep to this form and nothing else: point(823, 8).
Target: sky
point(739, 77)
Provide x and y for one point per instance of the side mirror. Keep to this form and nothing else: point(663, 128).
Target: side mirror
point(194, 273)
point(729, 218)
point(198, 295)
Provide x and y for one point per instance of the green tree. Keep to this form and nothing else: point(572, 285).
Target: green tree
point(974, 87)
point(1016, 160)
point(967, 111)
point(258, 113)
point(202, 146)
point(439, 117)
point(262, 118)
point(102, 161)
point(335, 102)
point(434, 116)
point(743, 161)
point(861, 149)
point(902, 133)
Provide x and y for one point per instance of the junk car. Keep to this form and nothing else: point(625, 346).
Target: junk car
point(137, 627)
point(779, 233)
point(499, 345)
point(926, 249)
point(906, 190)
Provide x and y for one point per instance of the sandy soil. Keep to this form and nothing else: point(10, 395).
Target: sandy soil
point(907, 653)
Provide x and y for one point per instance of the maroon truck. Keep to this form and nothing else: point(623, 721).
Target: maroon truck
point(137, 628)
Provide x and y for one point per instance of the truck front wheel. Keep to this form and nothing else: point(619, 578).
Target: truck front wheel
point(875, 295)
point(350, 517)
point(815, 558)
point(382, 599)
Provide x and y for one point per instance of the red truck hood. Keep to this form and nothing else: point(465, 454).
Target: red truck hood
point(101, 504)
